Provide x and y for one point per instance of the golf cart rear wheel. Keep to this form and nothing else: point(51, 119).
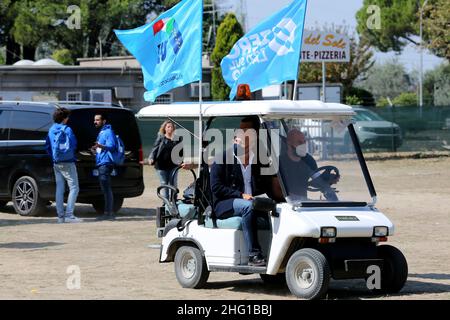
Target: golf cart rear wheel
point(395, 269)
point(190, 267)
point(25, 197)
point(308, 274)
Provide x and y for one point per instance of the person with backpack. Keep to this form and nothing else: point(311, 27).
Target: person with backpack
point(108, 150)
point(61, 144)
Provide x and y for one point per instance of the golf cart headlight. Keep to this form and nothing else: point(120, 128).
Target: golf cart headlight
point(380, 231)
point(328, 232)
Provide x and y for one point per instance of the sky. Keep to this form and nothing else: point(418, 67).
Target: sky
point(327, 12)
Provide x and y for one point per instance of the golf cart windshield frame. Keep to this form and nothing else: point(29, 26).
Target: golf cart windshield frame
point(362, 163)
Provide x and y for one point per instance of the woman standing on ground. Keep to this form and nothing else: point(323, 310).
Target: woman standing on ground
point(161, 155)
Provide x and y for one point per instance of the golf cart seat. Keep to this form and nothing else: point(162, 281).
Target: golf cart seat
point(186, 210)
point(235, 223)
point(261, 207)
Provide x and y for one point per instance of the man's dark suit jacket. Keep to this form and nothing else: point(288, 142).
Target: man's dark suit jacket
point(227, 184)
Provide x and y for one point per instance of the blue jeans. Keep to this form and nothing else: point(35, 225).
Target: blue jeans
point(164, 178)
point(243, 208)
point(66, 172)
point(104, 177)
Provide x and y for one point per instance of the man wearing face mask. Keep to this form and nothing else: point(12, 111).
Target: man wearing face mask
point(299, 166)
point(298, 163)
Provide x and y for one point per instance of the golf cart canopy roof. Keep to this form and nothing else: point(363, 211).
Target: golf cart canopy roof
point(269, 108)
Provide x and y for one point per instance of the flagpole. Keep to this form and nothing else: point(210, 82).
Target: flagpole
point(294, 95)
point(200, 126)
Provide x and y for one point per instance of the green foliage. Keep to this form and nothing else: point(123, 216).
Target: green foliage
point(398, 20)
point(436, 28)
point(389, 79)
point(437, 86)
point(228, 34)
point(364, 97)
point(2, 58)
point(405, 99)
point(383, 102)
point(63, 56)
point(353, 100)
point(400, 23)
point(36, 23)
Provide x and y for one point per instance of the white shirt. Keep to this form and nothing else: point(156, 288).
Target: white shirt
point(247, 173)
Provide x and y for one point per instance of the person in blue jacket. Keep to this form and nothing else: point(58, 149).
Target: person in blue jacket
point(61, 144)
point(105, 144)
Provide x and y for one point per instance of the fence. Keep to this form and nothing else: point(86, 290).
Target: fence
point(426, 130)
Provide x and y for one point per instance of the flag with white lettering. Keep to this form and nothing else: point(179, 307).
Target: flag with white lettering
point(269, 53)
point(168, 49)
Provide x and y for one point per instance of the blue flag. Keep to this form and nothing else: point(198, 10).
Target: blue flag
point(269, 53)
point(169, 49)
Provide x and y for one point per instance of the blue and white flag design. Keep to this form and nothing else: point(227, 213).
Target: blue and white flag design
point(269, 53)
point(168, 49)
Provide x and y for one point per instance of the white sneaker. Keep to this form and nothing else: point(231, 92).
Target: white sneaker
point(72, 219)
point(60, 220)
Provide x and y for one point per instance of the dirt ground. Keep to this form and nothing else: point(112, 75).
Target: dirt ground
point(118, 260)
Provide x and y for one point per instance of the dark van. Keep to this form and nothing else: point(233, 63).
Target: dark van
point(26, 171)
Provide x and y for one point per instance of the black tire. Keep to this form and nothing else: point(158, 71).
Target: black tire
point(278, 279)
point(25, 197)
point(190, 267)
point(308, 274)
point(99, 205)
point(395, 269)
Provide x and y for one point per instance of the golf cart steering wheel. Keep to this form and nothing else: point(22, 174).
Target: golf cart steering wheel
point(322, 178)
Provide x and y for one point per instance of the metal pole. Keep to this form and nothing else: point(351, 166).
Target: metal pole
point(324, 79)
point(421, 65)
point(101, 51)
point(214, 20)
point(421, 59)
point(200, 127)
point(294, 95)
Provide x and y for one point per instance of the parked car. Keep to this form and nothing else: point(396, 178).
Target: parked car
point(26, 173)
point(375, 132)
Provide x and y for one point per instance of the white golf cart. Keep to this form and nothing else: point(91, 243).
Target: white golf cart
point(330, 229)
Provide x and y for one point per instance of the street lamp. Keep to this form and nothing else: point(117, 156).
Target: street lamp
point(421, 58)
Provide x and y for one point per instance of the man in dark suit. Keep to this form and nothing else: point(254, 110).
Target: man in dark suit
point(235, 179)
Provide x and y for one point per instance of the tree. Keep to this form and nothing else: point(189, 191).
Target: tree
point(341, 72)
point(437, 85)
point(63, 56)
point(399, 23)
point(7, 15)
point(228, 33)
point(405, 99)
point(389, 79)
point(436, 26)
point(28, 25)
point(363, 97)
point(353, 100)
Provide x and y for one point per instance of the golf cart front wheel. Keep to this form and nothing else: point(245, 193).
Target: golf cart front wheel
point(395, 269)
point(308, 274)
point(190, 267)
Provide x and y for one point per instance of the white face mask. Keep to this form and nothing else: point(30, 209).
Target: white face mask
point(301, 150)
